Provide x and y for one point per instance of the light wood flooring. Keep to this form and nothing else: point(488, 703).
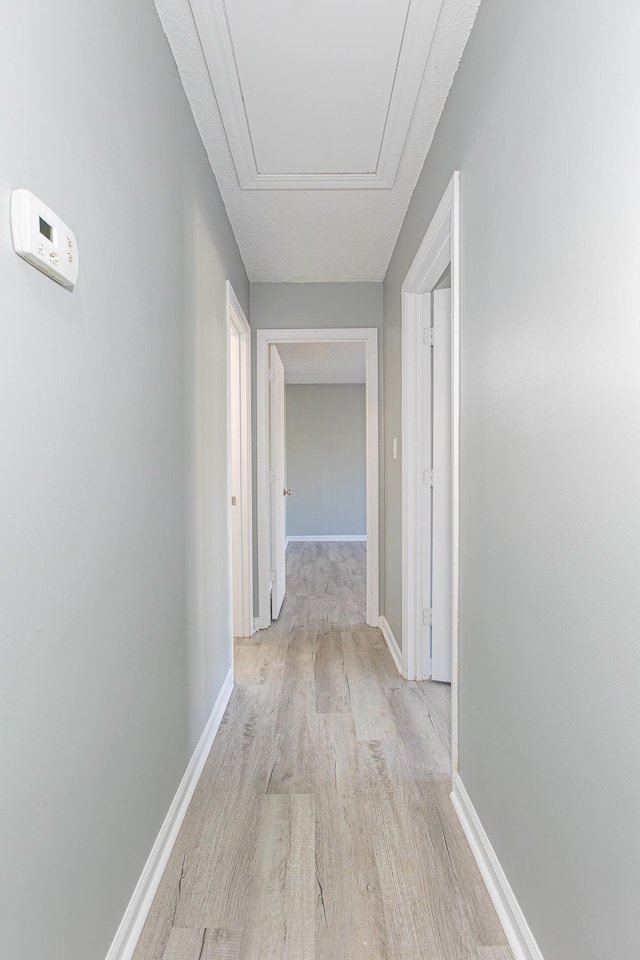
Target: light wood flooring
point(322, 827)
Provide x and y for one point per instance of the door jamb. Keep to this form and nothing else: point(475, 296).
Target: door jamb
point(264, 339)
point(440, 247)
point(237, 321)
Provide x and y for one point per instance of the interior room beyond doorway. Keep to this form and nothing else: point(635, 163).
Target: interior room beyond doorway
point(318, 443)
point(325, 441)
point(318, 446)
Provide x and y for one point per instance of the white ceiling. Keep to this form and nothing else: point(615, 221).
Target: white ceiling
point(322, 116)
point(323, 362)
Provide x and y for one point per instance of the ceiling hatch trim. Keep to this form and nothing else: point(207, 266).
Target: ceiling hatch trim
point(210, 17)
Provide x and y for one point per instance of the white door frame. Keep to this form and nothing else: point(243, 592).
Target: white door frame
point(440, 247)
point(237, 321)
point(264, 338)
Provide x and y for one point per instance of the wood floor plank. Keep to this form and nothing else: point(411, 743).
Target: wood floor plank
point(373, 717)
point(390, 810)
point(331, 682)
point(215, 846)
point(372, 649)
point(205, 944)
point(283, 893)
point(349, 910)
point(292, 770)
point(438, 700)
point(258, 662)
point(425, 747)
point(494, 953)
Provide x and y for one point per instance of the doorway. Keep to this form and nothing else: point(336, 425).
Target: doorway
point(268, 485)
point(239, 471)
point(430, 432)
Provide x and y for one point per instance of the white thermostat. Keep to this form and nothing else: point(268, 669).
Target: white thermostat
point(43, 239)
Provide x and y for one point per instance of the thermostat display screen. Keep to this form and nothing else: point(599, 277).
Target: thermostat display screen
point(46, 229)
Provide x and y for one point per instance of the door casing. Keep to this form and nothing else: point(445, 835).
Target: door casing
point(438, 416)
point(264, 338)
point(439, 249)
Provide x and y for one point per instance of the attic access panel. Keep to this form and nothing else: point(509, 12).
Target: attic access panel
point(316, 93)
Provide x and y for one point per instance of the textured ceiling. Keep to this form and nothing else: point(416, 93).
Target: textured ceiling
point(323, 362)
point(318, 235)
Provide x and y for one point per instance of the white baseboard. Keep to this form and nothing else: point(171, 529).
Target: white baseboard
point(128, 933)
point(329, 538)
point(516, 928)
point(392, 643)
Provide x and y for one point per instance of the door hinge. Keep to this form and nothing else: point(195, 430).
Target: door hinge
point(428, 336)
point(428, 478)
point(427, 617)
point(274, 576)
point(271, 376)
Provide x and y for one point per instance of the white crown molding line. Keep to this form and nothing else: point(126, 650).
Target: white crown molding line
point(329, 538)
point(214, 33)
point(392, 643)
point(420, 28)
point(521, 940)
point(210, 18)
point(314, 181)
point(128, 933)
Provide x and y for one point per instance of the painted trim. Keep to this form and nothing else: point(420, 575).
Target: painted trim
point(329, 538)
point(263, 619)
point(236, 319)
point(439, 248)
point(264, 339)
point(392, 643)
point(510, 914)
point(128, 933)
point(214, 32)
point(416, 521)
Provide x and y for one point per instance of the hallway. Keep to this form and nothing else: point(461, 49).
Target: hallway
point(322, 826)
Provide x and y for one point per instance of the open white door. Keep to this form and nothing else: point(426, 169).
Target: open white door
point(277, 480)
point(236, 481)
point(441, 554)
point(239, 468)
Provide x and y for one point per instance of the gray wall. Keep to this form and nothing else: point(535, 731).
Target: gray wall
point(541, 122)
point(319, 305)
point(105, 637)
point(311, 305)
point(326, 459)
